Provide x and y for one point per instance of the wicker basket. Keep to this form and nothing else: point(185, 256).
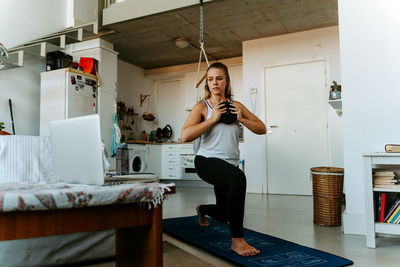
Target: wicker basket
point(328, 193)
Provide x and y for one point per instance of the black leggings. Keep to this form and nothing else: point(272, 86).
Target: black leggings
point(230, 192)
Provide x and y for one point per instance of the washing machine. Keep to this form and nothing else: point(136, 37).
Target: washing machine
point(137, 157)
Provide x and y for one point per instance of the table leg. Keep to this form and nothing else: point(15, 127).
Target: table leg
point(141, 245)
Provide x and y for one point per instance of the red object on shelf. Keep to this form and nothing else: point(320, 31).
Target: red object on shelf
point(382, 207)
point(88, 64)
point(4, 133)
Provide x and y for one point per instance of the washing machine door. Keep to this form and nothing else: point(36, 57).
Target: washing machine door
point(137, 163)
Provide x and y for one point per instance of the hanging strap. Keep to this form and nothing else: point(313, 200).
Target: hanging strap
point(202, 34)
point(201, 22)
point(202, 51)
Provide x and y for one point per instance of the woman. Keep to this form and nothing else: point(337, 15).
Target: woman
point(217, 159)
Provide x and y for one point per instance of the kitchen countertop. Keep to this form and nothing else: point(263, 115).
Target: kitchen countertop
point(155, 143)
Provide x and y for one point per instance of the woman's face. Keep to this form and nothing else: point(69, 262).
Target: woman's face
point(216, 81)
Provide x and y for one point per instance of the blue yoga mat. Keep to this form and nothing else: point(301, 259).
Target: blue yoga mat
point(275, 252)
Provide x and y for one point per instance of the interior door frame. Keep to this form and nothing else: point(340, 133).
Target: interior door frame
point(263, 101)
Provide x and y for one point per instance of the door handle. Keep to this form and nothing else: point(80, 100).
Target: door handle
point(272, 126)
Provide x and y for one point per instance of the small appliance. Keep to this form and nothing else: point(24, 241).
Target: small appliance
point(57, 60)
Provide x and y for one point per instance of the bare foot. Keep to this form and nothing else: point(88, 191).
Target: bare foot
point(202, 219)
point(241, 247)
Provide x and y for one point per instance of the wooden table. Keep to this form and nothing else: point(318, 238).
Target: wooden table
point(138, 240)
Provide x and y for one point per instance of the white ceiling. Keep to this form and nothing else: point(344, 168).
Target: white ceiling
point(148, 42)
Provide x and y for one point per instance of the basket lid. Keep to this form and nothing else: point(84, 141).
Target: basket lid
point(327, 169)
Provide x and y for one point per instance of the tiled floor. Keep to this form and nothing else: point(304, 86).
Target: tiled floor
point(290, 218)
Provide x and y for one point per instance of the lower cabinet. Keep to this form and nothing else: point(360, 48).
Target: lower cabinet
point(165, 160)
point(171, 161)
point(154, 159)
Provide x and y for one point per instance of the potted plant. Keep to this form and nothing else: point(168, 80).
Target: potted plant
point(336, 91)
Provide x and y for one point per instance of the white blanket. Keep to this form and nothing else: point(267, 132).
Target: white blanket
point(25, 159)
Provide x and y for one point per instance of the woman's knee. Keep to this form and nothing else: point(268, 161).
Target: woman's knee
point(239, 178)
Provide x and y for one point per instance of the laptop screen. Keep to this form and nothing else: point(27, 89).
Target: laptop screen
point(77, 151)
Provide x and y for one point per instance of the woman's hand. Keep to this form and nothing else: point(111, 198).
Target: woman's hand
point(248, 119)
point(235, 109)
point(217, 111)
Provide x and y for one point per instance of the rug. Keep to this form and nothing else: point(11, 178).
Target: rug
point(172, 257)
point(275, 252)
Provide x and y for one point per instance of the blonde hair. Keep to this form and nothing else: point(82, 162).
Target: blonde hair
point(228, 89)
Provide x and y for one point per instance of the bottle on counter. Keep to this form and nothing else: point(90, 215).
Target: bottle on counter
point(122, 159)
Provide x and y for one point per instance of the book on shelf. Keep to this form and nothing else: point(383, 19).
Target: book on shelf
point(392, 148)
point(378, 210)
point(386, 173)
point(396, 211)
point(395, 217)
point(382, 215)
point(385, 181)
point(395, 204)
point(386, 185)
point(397, 220)
point(384, 178)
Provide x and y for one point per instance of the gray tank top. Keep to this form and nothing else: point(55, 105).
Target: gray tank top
point(220, 141)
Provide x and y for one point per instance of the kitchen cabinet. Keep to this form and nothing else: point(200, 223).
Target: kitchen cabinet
point(154, 159)
point(165, 159)
point(171, 161)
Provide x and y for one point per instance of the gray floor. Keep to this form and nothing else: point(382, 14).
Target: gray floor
point(289, 218)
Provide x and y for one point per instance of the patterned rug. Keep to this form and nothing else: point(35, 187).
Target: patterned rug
point(275, 252)
point(172, 257)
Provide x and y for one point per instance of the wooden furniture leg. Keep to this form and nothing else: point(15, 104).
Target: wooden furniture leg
point(140, 245)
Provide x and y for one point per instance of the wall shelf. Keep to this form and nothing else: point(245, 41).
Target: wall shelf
point(53, 42)
point(15, 60)
point(336, 105)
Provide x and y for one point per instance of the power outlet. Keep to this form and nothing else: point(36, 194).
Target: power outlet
point(253, 90)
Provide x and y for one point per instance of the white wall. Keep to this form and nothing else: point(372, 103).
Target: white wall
point(370, 64)
point(132, 83)
point(26, 20)
point(290, 48)
point(22, 86)
point(23, 21)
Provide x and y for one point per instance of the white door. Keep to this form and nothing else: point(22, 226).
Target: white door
point(297, 134)
point(170, 106)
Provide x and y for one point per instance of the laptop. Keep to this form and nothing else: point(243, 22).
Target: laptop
point(77, 150)
point(78, 157)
